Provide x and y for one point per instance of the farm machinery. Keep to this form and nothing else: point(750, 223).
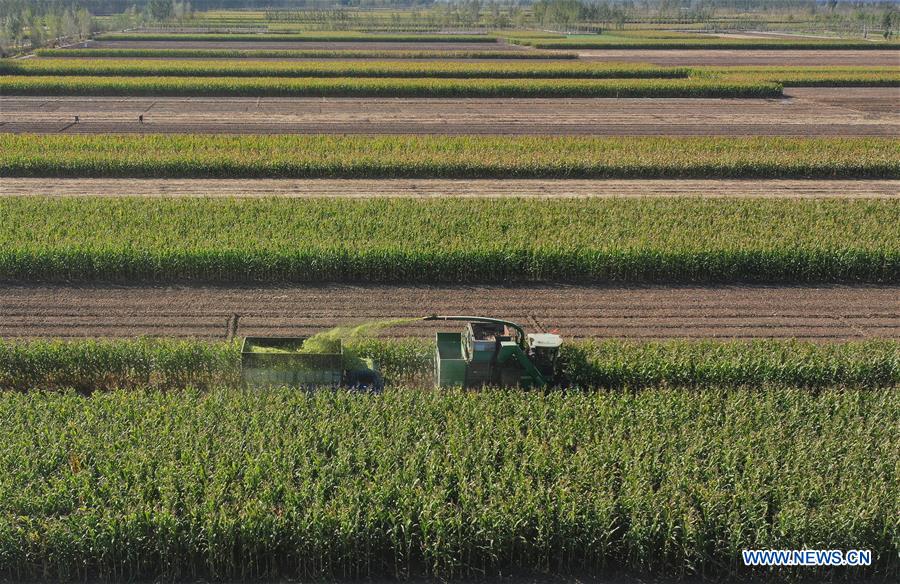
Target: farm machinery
point(270, 361)
point(488, 352)
point(494, 352)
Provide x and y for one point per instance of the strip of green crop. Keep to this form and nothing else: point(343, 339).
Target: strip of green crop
point(711, 43)
point(357, 37)
point(822, 76)
point(92, 365)
point(809, 76)
point(302, 54)
point(452, 240)
point(162, 364)
point(283, 485)
point(162, 68)
point(749, 76)
point(297, 156)
point(383, 87)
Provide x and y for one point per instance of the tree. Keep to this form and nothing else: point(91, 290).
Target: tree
point(69, 25)
point(182, 10)
point(13, 27)
point(84, 22)
point(887, 23)
point(161, 9)
point(36, 30)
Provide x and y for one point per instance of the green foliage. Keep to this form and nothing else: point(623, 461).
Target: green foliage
point(318, 37)
point(288, 156)
point(92, 365)
point(302, 54)
point(160, 10)
point(279, 484)
point(810, 76)
point(383, 87)
point(160, 364)
point(620, 364)
point(450, 240)
point(445, 69)
point(704, 79)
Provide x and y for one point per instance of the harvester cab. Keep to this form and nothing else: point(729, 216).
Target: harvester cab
point(494, 352)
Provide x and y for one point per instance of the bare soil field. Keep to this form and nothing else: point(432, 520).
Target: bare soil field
point(871, 100)
point(428, 188)
point(736, 57)
point(739, 312)
point(803, 112)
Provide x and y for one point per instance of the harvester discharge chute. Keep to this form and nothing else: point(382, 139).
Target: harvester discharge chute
point(494, 352)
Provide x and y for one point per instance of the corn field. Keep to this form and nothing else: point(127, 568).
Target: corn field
point(823, 76)
point(298, 156)
point(317, 37)
point(232, 485)
point(383, 87)
point(304, 54)
point(87, 366)
point(245, 68)
point(450, 240)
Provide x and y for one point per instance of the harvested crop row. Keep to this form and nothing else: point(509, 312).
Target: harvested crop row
point(295, 156)
point(129, 68)
point(279, 484)
point(303, 37)
point(382, 87)
point(398, 240)
point(703, 43)
point(104, 365)
point(301, 54)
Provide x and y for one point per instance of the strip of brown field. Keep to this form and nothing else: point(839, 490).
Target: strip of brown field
point(729, 312)
point(868, 100)
point(804, 112)
point(432, 188)
point(734, 57)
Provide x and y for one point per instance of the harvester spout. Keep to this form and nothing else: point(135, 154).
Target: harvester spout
point(518, 328)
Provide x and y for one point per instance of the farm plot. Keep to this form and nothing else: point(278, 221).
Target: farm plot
point(287, 485)
point(815, 313)
point(334, 36)
point(449, 241)
point(206, 156)
point(91, 365)
point(733, 58)
point(812, 112)
point(386, 87)
point(252, 68)
point(493, 53)
point(423, 45)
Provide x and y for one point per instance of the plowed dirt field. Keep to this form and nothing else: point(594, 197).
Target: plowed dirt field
point(740, 312)
point(803, 112)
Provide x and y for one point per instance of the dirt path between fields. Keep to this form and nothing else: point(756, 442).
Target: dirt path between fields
point(803, 112)
point(740, 312)
point(427, 188)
